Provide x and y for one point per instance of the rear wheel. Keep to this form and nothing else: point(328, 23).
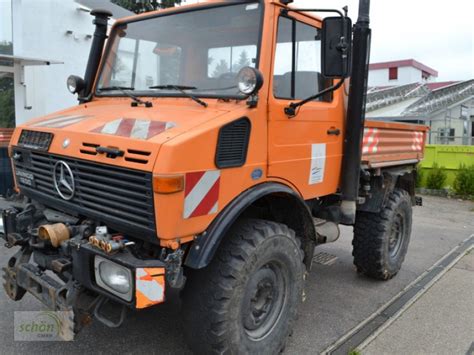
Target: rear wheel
point(245, 301)
point(381, 239)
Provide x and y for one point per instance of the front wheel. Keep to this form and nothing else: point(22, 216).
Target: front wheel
point(246, 300)
point(381, 239)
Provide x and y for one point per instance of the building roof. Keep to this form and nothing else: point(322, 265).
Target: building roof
point(116, 10)
point(417, 101)
point(442, 98)
point(439, 85)
point(404, 63)
point(380, 98)
point(25, 61)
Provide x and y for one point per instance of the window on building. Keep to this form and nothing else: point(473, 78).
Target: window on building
point(447, 134)
point(425, 75)
point(393, 73)
point(297, 71)
point(472, 130)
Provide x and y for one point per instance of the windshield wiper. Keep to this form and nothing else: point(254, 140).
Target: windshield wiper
point(126, 91)
point(182, 89)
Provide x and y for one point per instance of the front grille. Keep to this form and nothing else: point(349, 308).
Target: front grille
point(120, 198)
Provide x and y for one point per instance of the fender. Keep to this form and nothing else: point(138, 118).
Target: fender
point(206, 245)
point(381, 186)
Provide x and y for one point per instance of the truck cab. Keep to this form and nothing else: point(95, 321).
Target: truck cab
point(211, 152)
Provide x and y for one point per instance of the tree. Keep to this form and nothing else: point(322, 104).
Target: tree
point(244, 61)
point(7, 92)
point(139, 6)
point(7, 103)
point(6, 47)
point(221, 68)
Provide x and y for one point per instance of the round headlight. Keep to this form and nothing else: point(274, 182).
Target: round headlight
point(250, 80)
point(115, 277)
point(75, 84)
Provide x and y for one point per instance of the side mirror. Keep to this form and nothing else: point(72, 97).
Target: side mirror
point(336, 47)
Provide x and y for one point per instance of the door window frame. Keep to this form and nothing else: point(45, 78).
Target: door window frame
point(295, 20)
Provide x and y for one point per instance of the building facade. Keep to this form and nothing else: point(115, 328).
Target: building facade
point(447, 108)
point(400, 72)
point(41, 44)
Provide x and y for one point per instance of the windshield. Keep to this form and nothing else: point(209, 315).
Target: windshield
point(201, 51)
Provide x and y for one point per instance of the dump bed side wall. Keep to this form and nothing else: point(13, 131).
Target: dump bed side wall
point(392, 143)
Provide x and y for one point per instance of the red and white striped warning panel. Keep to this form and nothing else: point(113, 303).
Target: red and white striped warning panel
point(201, 193)
point(418, 138)
point(371, 141)
point(150, 287)
point(134, 128)
point(60, 121)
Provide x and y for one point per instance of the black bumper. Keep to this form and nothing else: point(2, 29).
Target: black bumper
point(83, 268)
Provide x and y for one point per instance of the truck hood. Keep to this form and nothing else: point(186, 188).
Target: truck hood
point(138, 132)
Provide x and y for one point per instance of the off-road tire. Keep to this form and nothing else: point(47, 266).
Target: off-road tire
point(256, 255)
point(377, 251)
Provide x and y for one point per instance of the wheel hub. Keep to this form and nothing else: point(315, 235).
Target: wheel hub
point(264, 300)
point(396, 235)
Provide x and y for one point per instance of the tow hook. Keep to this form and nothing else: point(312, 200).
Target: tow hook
point(174, 270)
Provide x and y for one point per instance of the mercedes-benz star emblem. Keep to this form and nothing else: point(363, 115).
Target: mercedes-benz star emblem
point(64, 180)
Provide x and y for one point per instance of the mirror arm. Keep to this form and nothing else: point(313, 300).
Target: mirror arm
point(290, 111)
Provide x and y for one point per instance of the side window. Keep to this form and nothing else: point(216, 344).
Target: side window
point(297, 72)
point(225, 60)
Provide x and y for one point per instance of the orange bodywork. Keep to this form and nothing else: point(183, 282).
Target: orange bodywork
point(296, 152)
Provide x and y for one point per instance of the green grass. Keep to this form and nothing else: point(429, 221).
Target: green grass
point(354, 352)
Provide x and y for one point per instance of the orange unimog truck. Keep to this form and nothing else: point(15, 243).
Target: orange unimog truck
point(214, 147)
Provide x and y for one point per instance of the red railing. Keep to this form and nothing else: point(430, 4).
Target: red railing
point(5, 136)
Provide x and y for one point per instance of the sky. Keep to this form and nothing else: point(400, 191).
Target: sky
point(439, 34)
point(5, 21)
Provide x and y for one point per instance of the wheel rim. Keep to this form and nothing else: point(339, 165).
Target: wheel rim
point(397, 234)
point(264, 300)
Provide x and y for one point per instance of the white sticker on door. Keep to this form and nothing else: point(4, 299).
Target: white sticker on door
point(318, 163)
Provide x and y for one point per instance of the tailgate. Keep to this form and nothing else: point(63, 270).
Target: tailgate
point(392, 143)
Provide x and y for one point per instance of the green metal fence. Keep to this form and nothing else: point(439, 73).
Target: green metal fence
point(448, 157)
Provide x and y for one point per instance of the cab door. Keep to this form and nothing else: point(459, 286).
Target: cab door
point(305, 150)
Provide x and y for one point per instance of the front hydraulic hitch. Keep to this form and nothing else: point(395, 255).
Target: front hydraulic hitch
point(13, 290)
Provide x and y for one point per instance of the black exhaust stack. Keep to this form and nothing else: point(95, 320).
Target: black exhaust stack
point(100, 35)
point(355, 115)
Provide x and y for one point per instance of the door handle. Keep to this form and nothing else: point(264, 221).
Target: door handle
point(334, 131)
